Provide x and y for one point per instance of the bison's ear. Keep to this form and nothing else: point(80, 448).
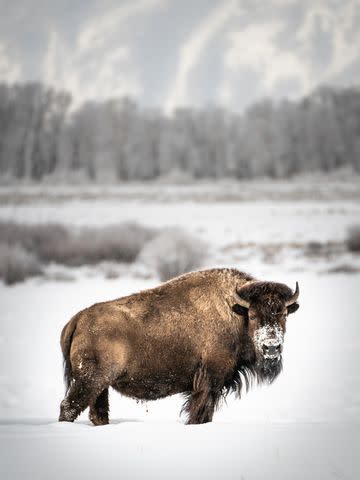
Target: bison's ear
point(292, 308)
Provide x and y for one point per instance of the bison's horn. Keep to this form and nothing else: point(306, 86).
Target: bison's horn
point(294, 297)
point(242, 301)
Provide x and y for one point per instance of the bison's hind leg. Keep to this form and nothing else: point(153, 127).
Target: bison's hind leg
point(86, 386)
point(99, 410)
point(76, 400)
point(203, 399)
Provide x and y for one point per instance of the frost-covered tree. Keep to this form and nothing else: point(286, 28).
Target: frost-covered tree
point(116, 140)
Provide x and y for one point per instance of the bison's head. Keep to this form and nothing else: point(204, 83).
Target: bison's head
point(265, 307)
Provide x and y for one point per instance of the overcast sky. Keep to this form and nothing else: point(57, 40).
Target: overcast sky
point(181, 52)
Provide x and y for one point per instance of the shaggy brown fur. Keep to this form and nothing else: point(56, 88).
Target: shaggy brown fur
point(188, 335)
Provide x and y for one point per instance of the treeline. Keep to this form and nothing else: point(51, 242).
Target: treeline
point(42, 136)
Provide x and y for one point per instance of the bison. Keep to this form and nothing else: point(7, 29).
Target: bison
point(203, 334)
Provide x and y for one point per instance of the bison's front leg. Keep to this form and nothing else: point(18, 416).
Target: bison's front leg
point(203, 399)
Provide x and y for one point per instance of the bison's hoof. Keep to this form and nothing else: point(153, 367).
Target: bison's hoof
point(66, 417)
point(98, 420)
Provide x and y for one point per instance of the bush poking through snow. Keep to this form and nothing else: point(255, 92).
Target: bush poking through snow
point(44, 240)
point(172, 253)
point(55, 243)
point(169, 254)
point(120, 243)
point(343, 268)
point(353, 239)
point(89, 246)
point(17, 264)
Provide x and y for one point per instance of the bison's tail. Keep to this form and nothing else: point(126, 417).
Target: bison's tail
point(65, 342)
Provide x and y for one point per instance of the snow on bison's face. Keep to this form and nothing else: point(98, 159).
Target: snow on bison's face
point(267, 306)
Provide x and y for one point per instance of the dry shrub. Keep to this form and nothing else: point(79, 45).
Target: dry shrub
point(344, 268)
point(17, 264)
point(55, 243)
point(172, 253)
point(314, 249)
point(121, 243)
point(353, 239)
point(41, 239)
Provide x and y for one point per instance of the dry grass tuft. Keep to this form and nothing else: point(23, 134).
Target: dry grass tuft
point(353, 239)
point(17, 264)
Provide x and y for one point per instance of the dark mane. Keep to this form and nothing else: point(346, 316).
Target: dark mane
point(249, 374)
point(244, 377)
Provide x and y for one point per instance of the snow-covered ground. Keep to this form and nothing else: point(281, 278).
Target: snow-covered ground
point(154, 450)
point(220, 223)
point(305, 426)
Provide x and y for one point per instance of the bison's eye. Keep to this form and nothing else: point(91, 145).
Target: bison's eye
point(252, 318)
point(240, 310)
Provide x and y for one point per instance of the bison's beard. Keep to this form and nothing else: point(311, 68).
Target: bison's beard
point(252, 367)
point(267, 369)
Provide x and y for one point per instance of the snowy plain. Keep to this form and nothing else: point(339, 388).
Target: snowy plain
point(306, 425)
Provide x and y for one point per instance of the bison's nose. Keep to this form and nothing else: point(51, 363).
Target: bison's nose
point(272, 350)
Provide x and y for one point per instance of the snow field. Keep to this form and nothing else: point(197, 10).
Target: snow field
point(304, 426)
point(137, 450)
